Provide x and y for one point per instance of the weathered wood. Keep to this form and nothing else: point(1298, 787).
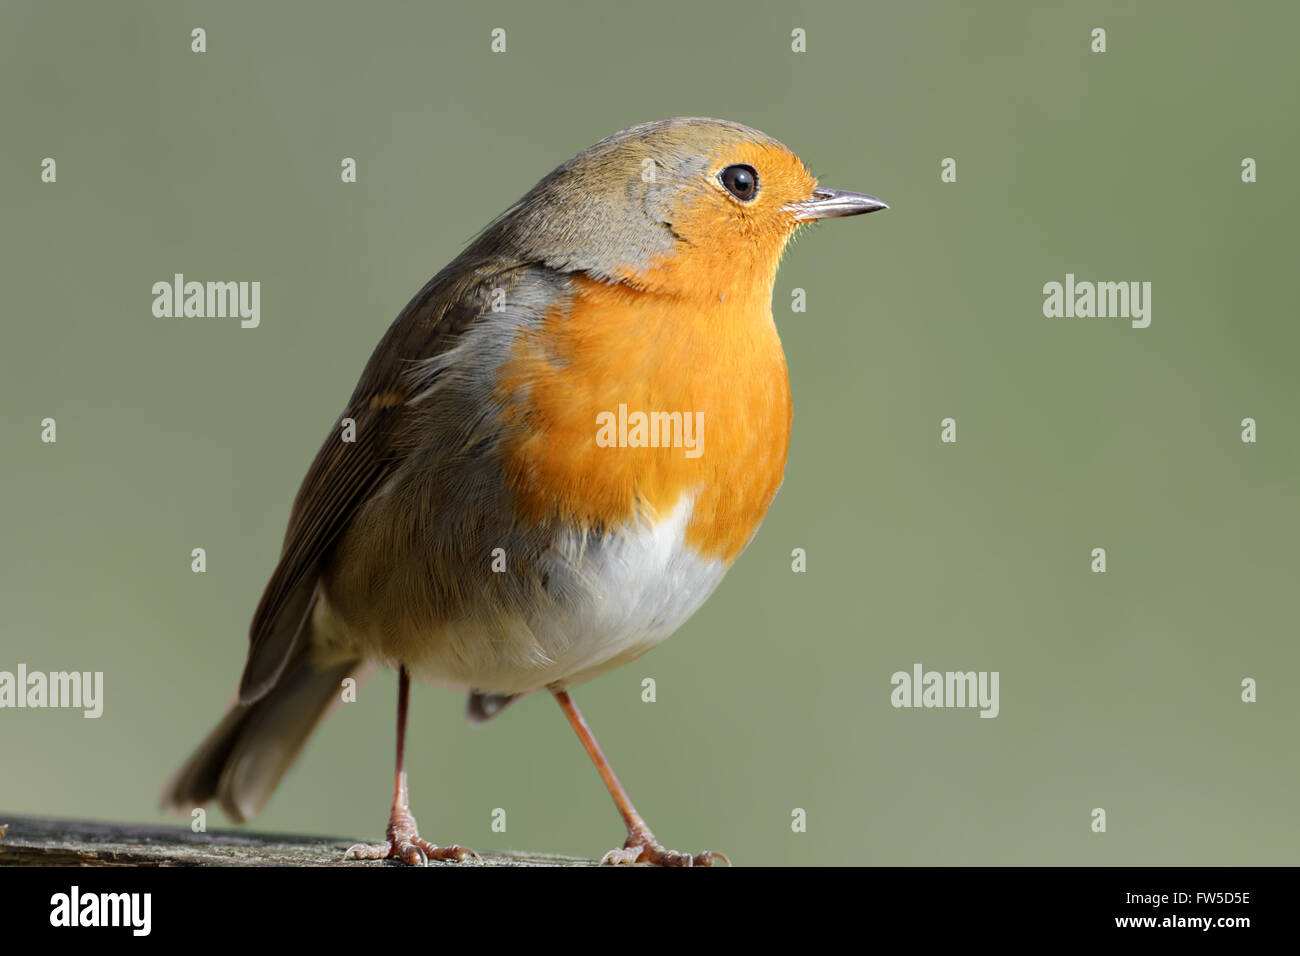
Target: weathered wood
point(40, 841)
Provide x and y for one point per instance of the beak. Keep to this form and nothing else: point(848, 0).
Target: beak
point(833, 203)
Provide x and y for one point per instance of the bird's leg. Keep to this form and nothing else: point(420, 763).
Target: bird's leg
point(404, 840)
point(641, 845)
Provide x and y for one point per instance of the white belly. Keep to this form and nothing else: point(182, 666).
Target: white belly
point(625, 594)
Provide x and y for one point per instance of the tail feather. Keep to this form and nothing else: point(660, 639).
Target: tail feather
point(249, 752)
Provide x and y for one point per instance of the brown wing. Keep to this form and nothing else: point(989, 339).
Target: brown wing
point(344, 474)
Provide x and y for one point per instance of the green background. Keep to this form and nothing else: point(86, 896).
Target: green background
point(1118, 690)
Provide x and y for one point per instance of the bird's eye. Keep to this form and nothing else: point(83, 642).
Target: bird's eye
point(741, 181)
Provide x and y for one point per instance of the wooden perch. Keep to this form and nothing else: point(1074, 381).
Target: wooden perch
point(41, 841)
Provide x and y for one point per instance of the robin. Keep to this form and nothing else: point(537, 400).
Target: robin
point(552, 458)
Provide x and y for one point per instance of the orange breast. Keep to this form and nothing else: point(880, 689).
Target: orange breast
point(576, 383)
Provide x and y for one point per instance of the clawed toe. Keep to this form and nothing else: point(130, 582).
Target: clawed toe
point(406, 844)
point(651, 852)
point(413, 851)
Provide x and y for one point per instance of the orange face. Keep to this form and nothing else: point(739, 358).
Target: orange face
point(732, 238)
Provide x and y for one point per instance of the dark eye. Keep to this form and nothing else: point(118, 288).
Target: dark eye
point(741, 181)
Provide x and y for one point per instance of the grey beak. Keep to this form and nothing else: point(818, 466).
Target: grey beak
point(833, 203)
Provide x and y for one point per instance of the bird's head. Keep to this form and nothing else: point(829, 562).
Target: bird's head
point(689, 207)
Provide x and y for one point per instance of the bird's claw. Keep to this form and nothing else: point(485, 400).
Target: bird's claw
point(413, 851)
point(406, 844)
point(639, 850)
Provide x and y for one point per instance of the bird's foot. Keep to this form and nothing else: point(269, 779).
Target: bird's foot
point(642, 847)
point(406, 844)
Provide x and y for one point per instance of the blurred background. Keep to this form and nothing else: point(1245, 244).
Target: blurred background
point(1119, 690)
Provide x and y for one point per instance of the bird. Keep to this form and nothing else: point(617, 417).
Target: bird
point(552, 458)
